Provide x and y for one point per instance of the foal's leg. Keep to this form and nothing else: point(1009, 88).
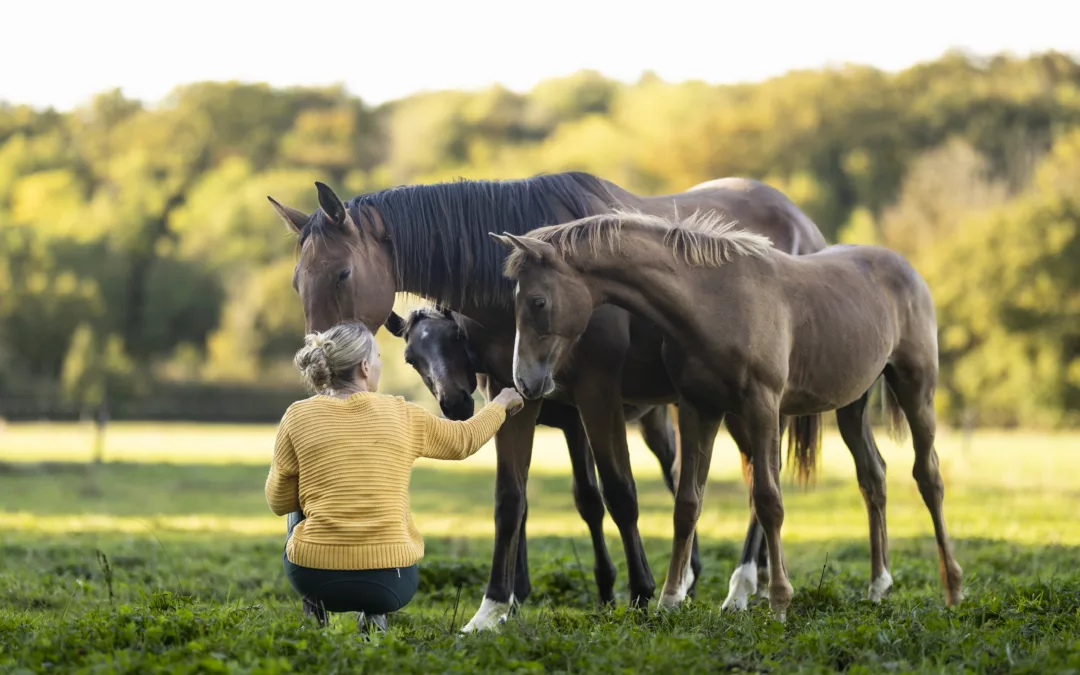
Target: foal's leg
point(698, 431)
point(762, 423)
point(659, 434)
point(854, 423)
point(600, 406)
point(513, 447)
point(590, 504)
point(914, 389)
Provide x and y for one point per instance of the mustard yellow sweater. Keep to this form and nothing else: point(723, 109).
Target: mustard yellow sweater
point(346, 463)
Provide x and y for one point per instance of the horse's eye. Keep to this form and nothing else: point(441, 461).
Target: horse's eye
point(344, 274)
point(539, 303)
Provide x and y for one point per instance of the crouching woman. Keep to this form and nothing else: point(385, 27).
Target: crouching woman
point(341, 467)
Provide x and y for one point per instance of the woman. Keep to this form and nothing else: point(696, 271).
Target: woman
point(341, 468)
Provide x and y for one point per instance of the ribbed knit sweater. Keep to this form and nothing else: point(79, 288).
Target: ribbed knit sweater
point(347, 462)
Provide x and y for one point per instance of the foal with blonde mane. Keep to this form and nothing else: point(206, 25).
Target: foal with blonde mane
point(751, 333)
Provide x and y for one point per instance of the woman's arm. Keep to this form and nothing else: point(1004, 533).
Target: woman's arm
point(283, 483)
point(449, 439)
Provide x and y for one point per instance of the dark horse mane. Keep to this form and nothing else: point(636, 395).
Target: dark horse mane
point(439, 232)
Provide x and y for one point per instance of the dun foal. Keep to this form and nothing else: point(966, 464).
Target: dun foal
point(756, 334)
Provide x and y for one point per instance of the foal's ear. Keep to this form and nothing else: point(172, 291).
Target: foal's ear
point(536, 249)
point(395, 324)
point(330, 204)
point(294, 220)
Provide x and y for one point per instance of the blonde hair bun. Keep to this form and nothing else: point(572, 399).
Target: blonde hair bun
point(328, 360)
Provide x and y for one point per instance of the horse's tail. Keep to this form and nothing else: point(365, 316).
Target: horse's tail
point(804, 443)
point(747, 469)
point(895, 414)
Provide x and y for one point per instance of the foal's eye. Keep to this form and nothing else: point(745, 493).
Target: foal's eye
point(539, 303)
point(343, 274)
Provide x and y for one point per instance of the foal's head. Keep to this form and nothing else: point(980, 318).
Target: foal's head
point(438, 349)
point(344, 271)
point(552, 307)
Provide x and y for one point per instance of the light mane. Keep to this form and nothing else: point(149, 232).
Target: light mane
point(700, 240)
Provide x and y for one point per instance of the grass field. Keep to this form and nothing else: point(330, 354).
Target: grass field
point(167, 558)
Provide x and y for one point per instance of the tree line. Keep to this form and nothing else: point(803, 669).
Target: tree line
point(142, 270)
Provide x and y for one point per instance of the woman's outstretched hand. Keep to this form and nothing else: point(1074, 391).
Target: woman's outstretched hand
point(510, 400)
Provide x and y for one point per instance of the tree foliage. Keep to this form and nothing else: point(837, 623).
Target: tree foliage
point(140, 236)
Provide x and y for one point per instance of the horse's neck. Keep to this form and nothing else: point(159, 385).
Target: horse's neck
point(642, 284)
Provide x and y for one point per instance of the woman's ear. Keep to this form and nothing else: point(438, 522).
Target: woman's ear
point(363, 370)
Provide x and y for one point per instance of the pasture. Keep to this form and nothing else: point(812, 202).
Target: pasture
point(166, 558)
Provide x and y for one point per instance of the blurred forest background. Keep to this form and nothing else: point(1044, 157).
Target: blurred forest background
point(141, 265)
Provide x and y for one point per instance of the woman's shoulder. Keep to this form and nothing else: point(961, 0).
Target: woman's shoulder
point(307, 405)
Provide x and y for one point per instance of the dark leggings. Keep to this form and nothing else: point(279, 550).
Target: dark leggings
point(369, 591)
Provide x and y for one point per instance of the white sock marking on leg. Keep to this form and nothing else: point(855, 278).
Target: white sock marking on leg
point(743, 584)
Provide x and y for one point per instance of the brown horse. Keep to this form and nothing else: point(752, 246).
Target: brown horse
point(431, 241)
point(450, 354)
point(757, 334)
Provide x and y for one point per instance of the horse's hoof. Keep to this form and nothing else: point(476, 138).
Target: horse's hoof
point(490, 616)
point(743, 584)
point(879, 587)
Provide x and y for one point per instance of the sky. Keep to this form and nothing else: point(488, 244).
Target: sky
point(62, 53)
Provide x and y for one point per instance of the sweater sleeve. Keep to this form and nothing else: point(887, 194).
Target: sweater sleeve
point(450, 439)
point(283, 483)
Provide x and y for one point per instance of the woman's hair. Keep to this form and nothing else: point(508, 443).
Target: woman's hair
point(328, 360)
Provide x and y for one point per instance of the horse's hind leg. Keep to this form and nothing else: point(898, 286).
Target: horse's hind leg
point(854, 423)
point(589, 503)
point(659, 435)
point(913, 386)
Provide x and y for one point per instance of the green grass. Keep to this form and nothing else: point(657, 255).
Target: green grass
point(193, 579)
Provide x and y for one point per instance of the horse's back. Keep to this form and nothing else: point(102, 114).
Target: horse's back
point(754, 205)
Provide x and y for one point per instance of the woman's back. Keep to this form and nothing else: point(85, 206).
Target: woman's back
point(349, 461)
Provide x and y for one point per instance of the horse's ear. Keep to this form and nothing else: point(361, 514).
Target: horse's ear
point(330, 204)
point(536, 249)
point(294, 220)
point(395, 324)
point(447, 313)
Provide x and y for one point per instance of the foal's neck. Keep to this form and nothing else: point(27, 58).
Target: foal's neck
point(647, 281)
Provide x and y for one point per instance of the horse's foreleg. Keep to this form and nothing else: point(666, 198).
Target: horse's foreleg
point(697, 430)
point(600, 407)
point(659, 434)
point(513, 447)
point(589, 503)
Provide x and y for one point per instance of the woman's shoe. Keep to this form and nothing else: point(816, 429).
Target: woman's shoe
point(316, 610)
point(368, 624)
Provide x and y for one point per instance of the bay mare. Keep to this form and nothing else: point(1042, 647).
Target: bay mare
point(758, 334)
point(451, 354)
point(432, 241)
